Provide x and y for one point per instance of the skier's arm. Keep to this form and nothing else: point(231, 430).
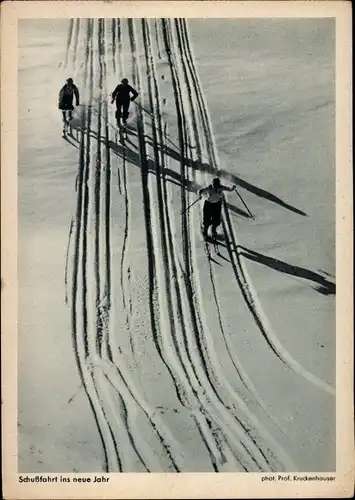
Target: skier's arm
point(202, 190)
point(60, 96)
point(77, 98)
point(114, 93)
point(225, 188)
point(135, 94)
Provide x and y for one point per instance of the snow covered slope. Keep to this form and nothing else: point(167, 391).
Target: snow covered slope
point(142, 348)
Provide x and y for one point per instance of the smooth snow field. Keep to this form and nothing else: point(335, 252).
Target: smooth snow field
point(143, 348)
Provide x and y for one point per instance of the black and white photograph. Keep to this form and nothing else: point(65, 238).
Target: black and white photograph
point(176, 225)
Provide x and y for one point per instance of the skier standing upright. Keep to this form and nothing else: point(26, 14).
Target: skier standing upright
point(66, 96)
point(213, 205)
point(122, 95)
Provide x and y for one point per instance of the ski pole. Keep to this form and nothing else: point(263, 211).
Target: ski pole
point(251, 215)
point(188, 208)
point(137, 104)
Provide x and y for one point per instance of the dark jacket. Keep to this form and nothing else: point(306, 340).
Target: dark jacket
point(66, 96)
point(122, 93)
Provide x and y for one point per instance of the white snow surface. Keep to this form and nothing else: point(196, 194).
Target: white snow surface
point(141, 348)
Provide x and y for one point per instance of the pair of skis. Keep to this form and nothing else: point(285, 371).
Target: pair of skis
point(210, 240)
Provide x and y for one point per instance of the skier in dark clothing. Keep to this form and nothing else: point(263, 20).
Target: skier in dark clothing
point(66, 96)
point(213, 205)
point(122, 95)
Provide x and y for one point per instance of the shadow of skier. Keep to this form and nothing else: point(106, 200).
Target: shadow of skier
point(324, 287)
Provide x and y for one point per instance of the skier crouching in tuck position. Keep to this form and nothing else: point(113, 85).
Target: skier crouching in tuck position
point(66, 96)
point(122, 95)
point(213, 205)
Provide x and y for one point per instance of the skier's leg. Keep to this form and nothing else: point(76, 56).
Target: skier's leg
point(125, 111)
point(216, 217)
point(118, 113)
point(64, 130)
point(64, 117)
point(206, 217)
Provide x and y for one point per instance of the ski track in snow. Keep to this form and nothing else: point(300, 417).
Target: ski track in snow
point(212, 367)
point(241, 274)
point(199, 133)
point(230, 432)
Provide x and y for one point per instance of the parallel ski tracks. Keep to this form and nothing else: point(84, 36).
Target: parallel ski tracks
point(177, 358)
point(216, 379)
point(93, 340)
point(195, 106)
point(197, 373)
point(154, 291)
point(125, 269)
point(241, 274)
point(179, 328)
point(79, 285)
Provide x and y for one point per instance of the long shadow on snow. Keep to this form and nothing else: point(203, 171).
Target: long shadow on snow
point(130, 155)
point(325, 287)
point(248, 186)
point(120, 150)
point(133, 157)
point(175, 178)
point(206, 167)
point(193, 187)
